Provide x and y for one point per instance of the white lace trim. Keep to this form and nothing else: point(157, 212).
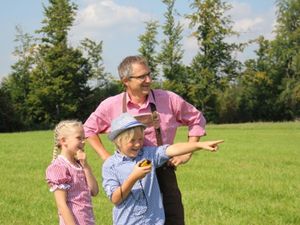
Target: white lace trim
point(61, 186)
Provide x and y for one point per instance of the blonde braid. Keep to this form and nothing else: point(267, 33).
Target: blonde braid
point(59, 132)
point(56, 151)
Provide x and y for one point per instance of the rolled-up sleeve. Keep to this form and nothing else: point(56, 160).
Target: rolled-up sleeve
point(188, 115)
point(110, 182)
point(98, 122)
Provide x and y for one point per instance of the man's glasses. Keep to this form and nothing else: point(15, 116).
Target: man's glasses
point(142, 77)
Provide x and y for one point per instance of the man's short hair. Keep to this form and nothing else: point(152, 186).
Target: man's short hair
point(125, 67)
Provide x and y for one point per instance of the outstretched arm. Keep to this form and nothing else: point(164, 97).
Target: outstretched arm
point(181, 159)
point(188, 147)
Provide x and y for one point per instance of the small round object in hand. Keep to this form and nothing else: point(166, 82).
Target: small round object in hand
point(145, 162)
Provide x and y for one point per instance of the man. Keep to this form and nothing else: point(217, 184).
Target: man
point(162, 112)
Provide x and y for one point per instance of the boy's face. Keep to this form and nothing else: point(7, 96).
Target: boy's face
point(132, 146)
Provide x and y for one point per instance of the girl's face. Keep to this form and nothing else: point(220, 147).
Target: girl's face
point(73, 140)
point(132, 146)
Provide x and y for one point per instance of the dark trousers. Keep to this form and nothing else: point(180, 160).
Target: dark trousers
point(171, 195)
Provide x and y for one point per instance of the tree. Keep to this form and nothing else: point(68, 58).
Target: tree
point(213, 68)
point(101, 82)
point(148, 45)
point(258, 89)
point(18, 81)
point(94, 56)
point(171, 53)
point(59, 79)
point(286, 54)
point(8, 119)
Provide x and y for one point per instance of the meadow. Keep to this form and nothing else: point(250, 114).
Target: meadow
point(253, 180)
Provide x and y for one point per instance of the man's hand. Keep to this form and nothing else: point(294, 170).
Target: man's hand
point(181, 159)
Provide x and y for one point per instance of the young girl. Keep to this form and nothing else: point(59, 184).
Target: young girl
point(129, 182)
point(70, 177)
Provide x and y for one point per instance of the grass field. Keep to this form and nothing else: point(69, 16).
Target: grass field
point(253, 180)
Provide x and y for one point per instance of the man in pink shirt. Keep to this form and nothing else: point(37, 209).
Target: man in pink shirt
point(162, 112)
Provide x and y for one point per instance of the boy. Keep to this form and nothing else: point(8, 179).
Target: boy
point(131, 187)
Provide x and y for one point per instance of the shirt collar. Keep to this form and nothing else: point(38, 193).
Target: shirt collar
point(123, 158)
point(149, 99)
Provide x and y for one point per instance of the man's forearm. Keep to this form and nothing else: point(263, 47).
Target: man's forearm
point(97, 145)
point(193, 139)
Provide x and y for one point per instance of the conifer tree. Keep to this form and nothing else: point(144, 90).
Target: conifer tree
point(148, 46)
point(213, 67)
point(171, 53)
point(59, 80)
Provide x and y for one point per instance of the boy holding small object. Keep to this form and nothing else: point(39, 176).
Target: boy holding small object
point(129, 177)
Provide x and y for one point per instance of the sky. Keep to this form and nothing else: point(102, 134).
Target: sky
point(118, 23)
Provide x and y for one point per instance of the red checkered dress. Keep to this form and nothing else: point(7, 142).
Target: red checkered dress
point(61, 174)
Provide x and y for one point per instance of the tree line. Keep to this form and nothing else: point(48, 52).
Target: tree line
point(52, 80)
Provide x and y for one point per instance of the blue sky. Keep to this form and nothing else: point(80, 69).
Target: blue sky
point(118, 23)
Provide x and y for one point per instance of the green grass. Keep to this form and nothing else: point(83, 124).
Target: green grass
point(253, 180)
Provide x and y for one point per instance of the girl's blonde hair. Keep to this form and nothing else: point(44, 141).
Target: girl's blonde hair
point(61, 130)
point(127, 135)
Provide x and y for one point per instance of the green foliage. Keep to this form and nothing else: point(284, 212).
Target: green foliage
point(270, 82)
point(59, 17)
point(8, 121)
point(211, 27)
point(227, 105)
point(16, 85)
point(148, 45)
point(259, 91)
point(213, 68)
point(59, 86)
point(171, 53)
point(94, 56)
point(287, 55)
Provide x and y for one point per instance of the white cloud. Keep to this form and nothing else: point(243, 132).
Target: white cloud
point(103, 14)
point(247, 24)
point(240, 10)
point(118, 26)
point(250, 23)
point(95, 17)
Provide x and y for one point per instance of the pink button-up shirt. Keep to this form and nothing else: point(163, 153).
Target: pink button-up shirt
point(173, 112)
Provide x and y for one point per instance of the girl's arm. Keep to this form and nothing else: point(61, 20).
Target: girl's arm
point(61, 202)
point(123, 191)
point(188, 147)
point(90, 178)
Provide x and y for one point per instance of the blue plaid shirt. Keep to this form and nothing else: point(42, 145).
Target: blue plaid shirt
point(144, 203)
